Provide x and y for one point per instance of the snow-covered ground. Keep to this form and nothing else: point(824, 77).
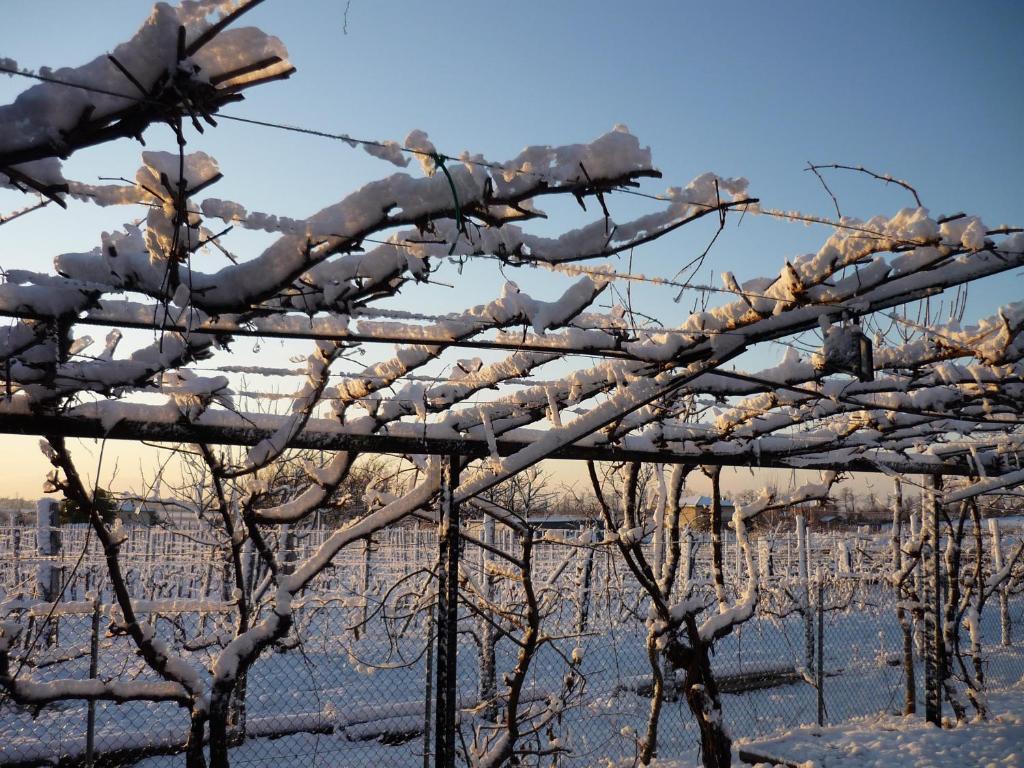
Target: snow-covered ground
point(361, 700)
point(890, 741)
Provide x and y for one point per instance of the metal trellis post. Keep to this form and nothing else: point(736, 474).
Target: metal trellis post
point(820, 671)
point(428, 692)
point(94, 656)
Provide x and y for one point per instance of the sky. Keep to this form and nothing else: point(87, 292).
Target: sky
point(930, 92)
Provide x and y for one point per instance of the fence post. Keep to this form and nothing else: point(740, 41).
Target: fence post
point(428, 689)
point(288, 544)
point(585, 577)
point(935, 663)
point(364, 591)
point(48, 546)
point(488, 689)
point(803, 574)
point(764, 558)
point(249, 563)
point(997, 565)
point(820, 672)
point(789, 556)
point(94, 658)
point(737, 559)
point(16, 552)
point(689, 552)
point(447, 614)
point(905, 619)
point(916, 520)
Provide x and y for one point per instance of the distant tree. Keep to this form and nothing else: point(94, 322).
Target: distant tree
point(72, 512)
point(371, 478)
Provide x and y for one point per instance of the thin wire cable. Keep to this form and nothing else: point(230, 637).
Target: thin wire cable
point(343, 137)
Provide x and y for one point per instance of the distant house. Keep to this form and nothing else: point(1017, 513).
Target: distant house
point(153, 511)
point(134, 513)
point(695, 511)
point(542, 520)
point(565, 522)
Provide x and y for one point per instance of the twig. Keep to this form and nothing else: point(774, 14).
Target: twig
point(887, 178)
point(835, 202)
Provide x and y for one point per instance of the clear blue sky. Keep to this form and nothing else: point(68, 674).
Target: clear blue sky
point(932, 92)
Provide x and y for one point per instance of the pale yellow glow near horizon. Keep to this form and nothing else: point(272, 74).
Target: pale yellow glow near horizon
point(130, 466)
point(125, 464)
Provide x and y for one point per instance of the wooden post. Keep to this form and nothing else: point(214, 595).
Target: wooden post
point(789, 556)
point(447, 615)
point(935, 662)
point(288, 544)
point(364, 593)
point(584, 579)
point(905, 619)
point(737, 559)
point(997, 565)
point(803, 574)
point(16, 552)
point(48, 545)
point(764, 558)
point(689, 554)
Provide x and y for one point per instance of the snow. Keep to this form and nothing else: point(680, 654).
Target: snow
point(387, 150)
point(418, 141)
point(130, 255)
point(40, 113)
point(908, 742)
point(613, 655)
point(316, 278)
point(615, 154)
point(984, 486)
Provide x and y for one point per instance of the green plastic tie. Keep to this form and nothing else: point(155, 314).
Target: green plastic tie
point(459, 222)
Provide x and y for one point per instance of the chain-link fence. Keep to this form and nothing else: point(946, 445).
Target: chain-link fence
point(354, 683)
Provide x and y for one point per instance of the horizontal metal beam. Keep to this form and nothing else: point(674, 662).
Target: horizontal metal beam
point(472, 448)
